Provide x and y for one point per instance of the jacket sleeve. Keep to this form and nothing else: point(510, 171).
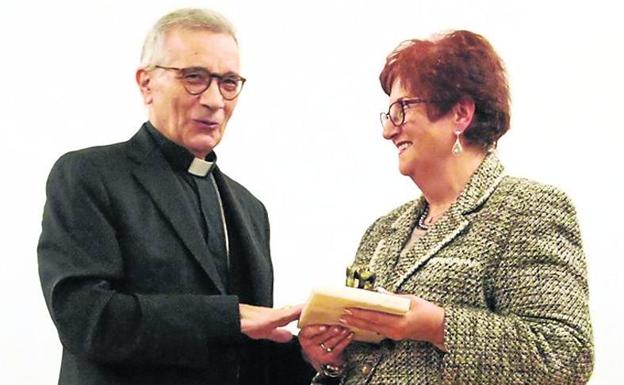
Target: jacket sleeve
point(81, 268)
point(537, 329)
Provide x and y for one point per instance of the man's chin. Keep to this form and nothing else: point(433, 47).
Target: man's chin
point(201, 148)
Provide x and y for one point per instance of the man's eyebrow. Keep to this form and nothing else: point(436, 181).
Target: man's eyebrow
point(200, 68)
point(195, 68)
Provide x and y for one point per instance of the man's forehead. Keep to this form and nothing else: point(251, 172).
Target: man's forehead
point(188, 36)
point(200, 47)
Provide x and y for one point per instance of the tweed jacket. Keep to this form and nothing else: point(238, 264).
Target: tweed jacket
point(506, 263)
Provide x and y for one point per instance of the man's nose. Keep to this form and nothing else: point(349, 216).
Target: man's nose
point(212, 97)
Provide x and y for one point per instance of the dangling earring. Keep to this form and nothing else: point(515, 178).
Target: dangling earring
point(457, 147)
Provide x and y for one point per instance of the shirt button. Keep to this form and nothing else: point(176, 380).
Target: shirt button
point(366, 368)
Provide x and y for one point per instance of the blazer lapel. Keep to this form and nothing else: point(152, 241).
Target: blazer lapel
point(444, 231)
point(386, 254)
point(480, 186)
point(260, 267)
point(156, 176)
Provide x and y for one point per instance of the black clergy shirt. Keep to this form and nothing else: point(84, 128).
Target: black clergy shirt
point(203, 194)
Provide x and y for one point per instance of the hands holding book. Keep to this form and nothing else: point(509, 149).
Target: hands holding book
point(411, 318)
point(424, 321)
point(324, 344)
point(333, 318)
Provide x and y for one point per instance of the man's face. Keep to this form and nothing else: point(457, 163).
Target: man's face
point(196, 122)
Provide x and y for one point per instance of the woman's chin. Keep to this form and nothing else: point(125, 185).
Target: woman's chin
point(406, 168)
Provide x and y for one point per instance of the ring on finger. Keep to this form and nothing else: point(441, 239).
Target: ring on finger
point(326, 348)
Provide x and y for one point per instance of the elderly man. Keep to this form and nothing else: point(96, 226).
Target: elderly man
point(155, 265)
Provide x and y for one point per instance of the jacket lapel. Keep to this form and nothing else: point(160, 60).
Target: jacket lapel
point(480, 186)
point(385, 257)
point(444, 231)
point(259, 262)
point(155, 175)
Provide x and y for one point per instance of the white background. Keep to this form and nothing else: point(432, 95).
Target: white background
point(305, 137)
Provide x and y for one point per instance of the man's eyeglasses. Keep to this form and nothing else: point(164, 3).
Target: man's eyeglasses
point(196, 80)
point(396, 111)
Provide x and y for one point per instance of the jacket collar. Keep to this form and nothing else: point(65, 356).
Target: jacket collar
point(156, 175)
point(179, 158)
point(480, 186)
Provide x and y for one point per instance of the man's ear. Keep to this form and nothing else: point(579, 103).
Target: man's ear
point(143, 79)
point(464, 111)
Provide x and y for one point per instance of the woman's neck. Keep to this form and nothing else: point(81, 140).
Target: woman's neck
point(442, 182)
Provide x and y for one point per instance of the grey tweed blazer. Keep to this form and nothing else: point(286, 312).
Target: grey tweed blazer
point(507, 265)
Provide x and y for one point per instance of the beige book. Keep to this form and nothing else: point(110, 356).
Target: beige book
point(326, 306)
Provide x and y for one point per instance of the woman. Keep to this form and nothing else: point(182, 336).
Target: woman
point(493, 264)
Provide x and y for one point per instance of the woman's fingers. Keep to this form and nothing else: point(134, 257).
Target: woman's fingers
point(337, 335)
point(312, 331)
point(368, 319)
point(343, 343)
point(320, 333)
point(324, 344)
point(424, 321)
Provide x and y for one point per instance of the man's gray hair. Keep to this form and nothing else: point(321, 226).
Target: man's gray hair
point(185, 18)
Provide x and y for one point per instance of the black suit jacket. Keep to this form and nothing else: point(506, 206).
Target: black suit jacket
point(129, 282)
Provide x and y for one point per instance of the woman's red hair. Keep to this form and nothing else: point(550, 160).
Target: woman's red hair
point(460, 64)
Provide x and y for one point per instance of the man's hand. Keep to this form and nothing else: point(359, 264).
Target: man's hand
point(259, 322)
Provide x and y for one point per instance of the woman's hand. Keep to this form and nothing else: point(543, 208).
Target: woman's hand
point(423, 322)
point(324, 344)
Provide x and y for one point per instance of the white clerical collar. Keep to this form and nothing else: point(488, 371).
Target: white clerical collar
point(200, 167)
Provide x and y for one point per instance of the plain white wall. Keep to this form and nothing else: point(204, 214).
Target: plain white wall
point(305, 137)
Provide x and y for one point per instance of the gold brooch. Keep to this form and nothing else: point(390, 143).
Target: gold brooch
point(360, 277)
